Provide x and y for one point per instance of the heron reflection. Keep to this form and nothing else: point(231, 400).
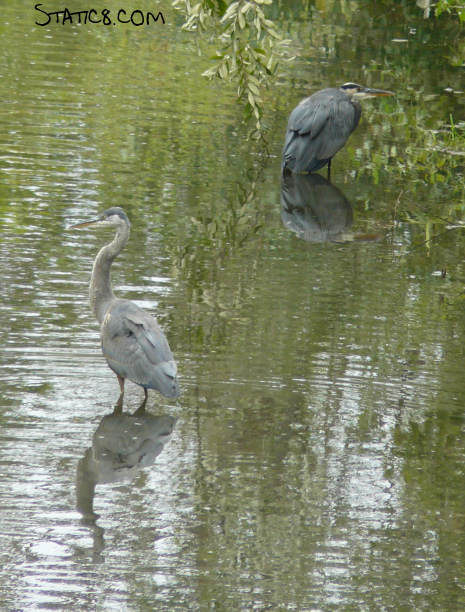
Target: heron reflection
point(313, 208)
point(122, 444)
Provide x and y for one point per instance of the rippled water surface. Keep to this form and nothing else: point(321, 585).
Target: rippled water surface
point(315, 459)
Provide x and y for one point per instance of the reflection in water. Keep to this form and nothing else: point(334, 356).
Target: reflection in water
point(313, 208)
point(122, 445)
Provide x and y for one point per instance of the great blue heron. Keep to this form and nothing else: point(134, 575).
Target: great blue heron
point(321, 124)
point(132, 342)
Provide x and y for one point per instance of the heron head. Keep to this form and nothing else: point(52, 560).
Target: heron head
point(359, 92)
point(114, 216)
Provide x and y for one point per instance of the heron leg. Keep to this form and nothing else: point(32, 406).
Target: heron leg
point(121, 383)
point(329, 170)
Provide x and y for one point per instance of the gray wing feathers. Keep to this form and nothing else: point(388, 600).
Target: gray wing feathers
point(149, 335)
point(309, 117)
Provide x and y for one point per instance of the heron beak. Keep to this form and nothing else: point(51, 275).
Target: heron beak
point(85, 224)
point(368, 91)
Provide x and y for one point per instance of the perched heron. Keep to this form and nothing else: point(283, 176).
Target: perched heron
point(132, 342)
point(320, 125)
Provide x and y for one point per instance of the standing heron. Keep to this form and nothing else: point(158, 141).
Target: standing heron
point(132, 342)
point(321, 124)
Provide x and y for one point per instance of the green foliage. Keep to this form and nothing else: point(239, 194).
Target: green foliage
point(450, 6)
point(250, 50)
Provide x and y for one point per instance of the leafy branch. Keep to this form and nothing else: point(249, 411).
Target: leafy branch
point(251, 47)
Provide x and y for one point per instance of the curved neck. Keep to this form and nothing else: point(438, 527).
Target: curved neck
point(101, 293)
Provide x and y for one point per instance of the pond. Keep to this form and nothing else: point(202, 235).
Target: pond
point(315, 459)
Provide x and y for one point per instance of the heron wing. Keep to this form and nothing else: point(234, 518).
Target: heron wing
point(310, 116)
point(149, 336)
point(136, 347)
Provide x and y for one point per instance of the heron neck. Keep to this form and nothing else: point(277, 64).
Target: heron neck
point(101, 293)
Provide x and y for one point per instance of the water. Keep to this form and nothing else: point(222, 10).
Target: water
point(316, 460)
